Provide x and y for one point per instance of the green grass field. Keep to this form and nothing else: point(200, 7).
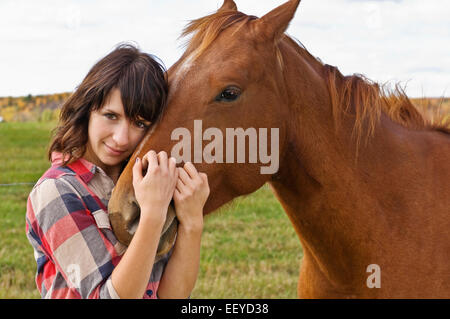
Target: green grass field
point(249, 248)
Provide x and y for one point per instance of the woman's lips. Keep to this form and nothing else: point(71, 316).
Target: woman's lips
point(114, 151)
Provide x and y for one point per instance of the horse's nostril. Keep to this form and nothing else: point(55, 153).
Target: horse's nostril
point(133, 224)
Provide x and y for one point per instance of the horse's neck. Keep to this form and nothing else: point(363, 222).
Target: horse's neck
point(329, 160)
point(341, 206)
point(350, 215)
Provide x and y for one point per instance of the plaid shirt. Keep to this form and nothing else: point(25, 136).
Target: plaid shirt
point(68, 226)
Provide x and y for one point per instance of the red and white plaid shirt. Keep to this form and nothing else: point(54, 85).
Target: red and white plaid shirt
point(68, 226)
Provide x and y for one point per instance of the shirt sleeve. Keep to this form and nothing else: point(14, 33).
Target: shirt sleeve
point(76, 258)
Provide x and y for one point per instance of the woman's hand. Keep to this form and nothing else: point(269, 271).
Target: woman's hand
point(190, 195)
point(155, 189)
point(181, 271)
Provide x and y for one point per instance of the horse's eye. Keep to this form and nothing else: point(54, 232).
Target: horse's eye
point(230, 94)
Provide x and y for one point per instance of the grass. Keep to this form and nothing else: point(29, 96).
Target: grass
point(249, 248)
point(22, 158)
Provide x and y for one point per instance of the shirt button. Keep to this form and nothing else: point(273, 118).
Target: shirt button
point(150, 292)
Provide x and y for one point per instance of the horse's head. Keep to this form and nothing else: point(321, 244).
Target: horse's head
point(228, 85)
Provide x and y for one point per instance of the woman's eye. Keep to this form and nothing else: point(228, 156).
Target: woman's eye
point(110, 116)
point(141, 124)
point(230, 94)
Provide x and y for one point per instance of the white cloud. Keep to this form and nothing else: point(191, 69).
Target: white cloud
point(48, 46)
point(384, 40)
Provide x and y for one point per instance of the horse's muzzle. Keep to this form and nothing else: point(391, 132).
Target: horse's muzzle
point(124, 217)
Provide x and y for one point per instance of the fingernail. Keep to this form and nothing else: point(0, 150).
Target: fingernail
point(137, 159)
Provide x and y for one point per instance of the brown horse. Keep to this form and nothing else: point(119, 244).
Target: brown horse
point(363, 177)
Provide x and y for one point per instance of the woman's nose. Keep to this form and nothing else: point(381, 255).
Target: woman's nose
point(121, 134)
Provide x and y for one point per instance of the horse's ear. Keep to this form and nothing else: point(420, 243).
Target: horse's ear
point(273, 24)
point(228, 5)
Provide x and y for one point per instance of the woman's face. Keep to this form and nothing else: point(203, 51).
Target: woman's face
point(112, 136)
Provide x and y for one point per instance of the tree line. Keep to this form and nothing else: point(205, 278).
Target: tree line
point(45, 108)
point(29, 108)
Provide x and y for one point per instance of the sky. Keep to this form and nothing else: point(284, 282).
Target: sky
point(48, 46)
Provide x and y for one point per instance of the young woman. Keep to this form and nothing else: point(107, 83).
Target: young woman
point(100, 125)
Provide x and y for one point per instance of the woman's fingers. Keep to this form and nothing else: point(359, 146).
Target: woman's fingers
point(163, 161)
point(152, 160)
point(180, 185)
point(184, 176)
point(191, 170)
point(194, 176)
point(204, 177)
point(172, 164)
point(159, 161)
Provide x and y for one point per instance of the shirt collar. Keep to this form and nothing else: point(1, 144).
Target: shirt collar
point(81, 167)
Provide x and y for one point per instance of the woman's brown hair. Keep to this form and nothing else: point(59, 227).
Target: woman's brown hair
point(142, 82)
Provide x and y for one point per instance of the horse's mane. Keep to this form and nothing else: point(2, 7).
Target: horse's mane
point(368, 99)
point(349, 94)
point(206, 29)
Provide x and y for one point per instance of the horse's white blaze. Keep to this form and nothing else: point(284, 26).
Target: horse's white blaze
point(179, 75)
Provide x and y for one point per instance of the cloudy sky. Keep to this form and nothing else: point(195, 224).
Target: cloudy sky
point(48, 46)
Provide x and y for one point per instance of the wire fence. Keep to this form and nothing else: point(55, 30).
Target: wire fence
point(17, 184)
